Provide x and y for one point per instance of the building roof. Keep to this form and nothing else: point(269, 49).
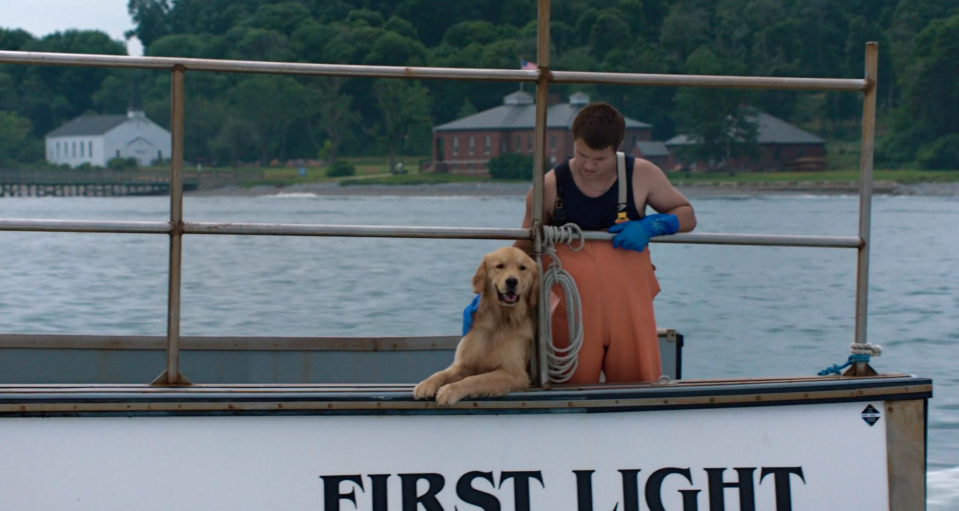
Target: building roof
point(519, 112)
point(88, 125)
point(772, 130)
point(653, 148)
point(518, 98)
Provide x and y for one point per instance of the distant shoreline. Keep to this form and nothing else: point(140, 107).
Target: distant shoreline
point(492, 189)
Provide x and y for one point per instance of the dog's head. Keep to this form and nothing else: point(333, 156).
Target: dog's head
point(509, 275)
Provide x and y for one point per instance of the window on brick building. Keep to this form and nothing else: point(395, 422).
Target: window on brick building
point(456, 146)
point(472, 145)
point(486, 150)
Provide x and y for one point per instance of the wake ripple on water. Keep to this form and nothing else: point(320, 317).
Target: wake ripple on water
point(942, 490)
point(293, 195)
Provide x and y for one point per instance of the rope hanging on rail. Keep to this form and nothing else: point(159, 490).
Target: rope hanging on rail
point(860, 354)
point(562, 362)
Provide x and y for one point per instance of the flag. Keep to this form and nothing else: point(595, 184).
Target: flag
point(527, 66)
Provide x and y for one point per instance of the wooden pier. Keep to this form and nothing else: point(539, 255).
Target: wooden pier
point(86, 183)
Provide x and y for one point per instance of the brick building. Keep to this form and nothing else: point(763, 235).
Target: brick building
point(782, 146)
point(465, 145)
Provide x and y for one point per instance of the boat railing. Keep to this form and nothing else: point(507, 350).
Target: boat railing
point(176, 228)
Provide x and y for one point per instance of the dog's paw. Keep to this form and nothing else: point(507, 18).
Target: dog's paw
point(425, 390)
point(448, 395)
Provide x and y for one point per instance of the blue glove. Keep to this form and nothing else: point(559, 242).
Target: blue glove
point(635, 235)
point(468, 315)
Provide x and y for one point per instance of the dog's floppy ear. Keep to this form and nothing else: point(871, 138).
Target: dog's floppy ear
point(532, 295)
point(479, 278)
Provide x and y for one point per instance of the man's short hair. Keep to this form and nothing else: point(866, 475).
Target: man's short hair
point(600, 126)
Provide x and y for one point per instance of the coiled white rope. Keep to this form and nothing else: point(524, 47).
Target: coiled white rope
point(562, 362)
point(873, 350)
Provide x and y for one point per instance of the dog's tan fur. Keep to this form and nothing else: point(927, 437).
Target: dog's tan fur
point(491, 359)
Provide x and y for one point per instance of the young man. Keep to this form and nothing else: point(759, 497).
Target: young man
point(616, 281)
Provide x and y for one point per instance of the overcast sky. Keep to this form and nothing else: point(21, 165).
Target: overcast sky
point(42, 17)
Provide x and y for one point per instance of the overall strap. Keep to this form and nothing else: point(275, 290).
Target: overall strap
point(563, 175)
point(623, 188)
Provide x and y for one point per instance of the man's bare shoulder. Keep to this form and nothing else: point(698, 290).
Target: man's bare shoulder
point(549, 198)
point(549, 184)
point(646, 170)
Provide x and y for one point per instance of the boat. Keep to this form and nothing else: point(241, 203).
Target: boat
point(347, 434)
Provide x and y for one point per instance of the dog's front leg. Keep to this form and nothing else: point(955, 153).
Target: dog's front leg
point(495, 383)
point(428, 387)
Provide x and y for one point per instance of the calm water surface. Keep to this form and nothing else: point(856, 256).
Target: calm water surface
point(745, 311)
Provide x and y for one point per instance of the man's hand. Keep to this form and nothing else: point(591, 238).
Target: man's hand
point(635, 235)
point(468, 315)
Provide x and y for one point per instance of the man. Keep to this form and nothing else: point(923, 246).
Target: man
point(616, 281)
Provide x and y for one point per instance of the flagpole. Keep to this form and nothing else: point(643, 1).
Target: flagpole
point(521, 61)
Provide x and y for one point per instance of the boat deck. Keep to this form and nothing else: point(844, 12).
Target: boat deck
point(312, 399)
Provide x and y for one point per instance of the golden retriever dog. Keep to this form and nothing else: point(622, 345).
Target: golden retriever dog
point(491, 359)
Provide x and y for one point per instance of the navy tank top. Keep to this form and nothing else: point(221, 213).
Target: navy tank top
point(589, 213)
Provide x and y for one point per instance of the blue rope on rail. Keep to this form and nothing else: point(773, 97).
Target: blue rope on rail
point(837, 369)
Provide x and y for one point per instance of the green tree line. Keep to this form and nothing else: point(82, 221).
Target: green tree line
point(245, 118)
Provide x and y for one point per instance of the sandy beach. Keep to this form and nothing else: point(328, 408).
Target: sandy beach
point(718, 189)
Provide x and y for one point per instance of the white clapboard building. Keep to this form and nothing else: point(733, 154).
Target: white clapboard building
point(97, 139)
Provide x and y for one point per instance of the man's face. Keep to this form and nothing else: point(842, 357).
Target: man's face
point(593, 163)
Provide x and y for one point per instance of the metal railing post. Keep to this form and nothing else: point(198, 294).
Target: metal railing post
point(539, 170)
point(865, 195)
point(172, 374)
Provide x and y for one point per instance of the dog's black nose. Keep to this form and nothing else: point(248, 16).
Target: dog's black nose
point(511, 282)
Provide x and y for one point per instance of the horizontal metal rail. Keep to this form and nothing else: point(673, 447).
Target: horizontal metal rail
point(764, 240)
point(223, 343)
point(244, 343)
point(365, 231)
point(404, 232)
point(88, 226)
point(285, 68)
point(392, 231)
point(739, 82)
point(429, 73)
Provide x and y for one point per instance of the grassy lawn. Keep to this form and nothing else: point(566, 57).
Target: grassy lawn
point(848, 176)
point(842, 161)
point(372, 170)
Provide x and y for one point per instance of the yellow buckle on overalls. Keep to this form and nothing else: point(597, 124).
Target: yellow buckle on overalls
point(621, 217)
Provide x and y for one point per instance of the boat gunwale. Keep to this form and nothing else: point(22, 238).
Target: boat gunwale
point(126, 400)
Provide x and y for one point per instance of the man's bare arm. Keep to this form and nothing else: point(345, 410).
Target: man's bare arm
point(662, 197)
point(526, 245)
point(549, 197)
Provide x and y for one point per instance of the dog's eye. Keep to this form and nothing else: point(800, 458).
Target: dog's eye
point(500, 266)
point(522, 268)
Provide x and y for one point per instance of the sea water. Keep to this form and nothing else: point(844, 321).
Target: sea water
point(744, 311)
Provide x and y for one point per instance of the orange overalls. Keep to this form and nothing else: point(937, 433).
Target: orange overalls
point(616, 288)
